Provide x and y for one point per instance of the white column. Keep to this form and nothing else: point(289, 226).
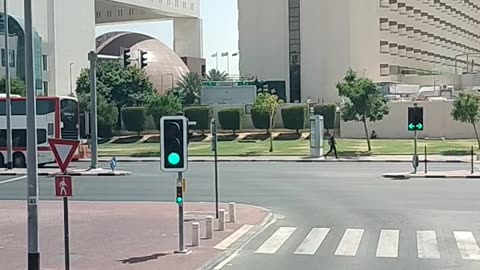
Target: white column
point(188, 37)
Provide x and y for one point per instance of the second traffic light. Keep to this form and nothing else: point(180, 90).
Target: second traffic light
point(415, 119)
point(174, 143)
point(126, 57)
point(142, 59)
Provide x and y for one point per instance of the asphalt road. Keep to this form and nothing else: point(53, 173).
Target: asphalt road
point(329, 215)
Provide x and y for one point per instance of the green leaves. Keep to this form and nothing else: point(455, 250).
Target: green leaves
point(160, 106)
point(17, 87)
point(188, 89)
point(216, 75)
point(466, 108)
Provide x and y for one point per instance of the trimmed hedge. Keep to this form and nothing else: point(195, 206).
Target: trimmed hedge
point(328, 112)
point(294, 117)
point(231, 119)
point(200, 114)
point(135, 118)
point(260, 120)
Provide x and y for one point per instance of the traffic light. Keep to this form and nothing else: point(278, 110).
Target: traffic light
point(142, 57)
point(174, 143)
point(415, 118)
point(179, 199)
point(126, 57)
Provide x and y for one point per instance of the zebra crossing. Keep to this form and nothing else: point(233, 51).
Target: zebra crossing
point(388, 244)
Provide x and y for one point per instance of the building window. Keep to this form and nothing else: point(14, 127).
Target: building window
point(120, 12)
point(45, 88)
point(4, 61)
point(45, 62)
point(295, 50)
point(11, 59)
point(109, 13)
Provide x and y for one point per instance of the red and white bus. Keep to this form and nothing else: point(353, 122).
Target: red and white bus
point(57, 117)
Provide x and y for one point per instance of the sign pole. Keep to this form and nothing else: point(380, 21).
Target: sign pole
point(66, 231)
point(181, 245)
point(213, 127)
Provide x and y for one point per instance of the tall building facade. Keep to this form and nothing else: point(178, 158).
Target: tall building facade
point(310, 44)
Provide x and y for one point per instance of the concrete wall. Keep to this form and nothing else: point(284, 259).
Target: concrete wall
point(437, 121)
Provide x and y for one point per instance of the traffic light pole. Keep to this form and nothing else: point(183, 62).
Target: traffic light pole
point(181, 242)
point(213, 131)
point(415, 154)
point(92, 56)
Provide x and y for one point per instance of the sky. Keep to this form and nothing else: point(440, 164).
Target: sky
point(220, 32)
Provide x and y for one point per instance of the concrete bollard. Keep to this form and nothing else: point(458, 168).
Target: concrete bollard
point(209, 227)
point(232, 212)
point(195, 234)
point(221, 220)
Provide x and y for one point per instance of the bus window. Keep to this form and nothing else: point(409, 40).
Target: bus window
point(19, 137)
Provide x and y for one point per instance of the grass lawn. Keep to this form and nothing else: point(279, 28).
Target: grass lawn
point(346, 147)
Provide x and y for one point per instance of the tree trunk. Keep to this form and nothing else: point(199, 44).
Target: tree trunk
point(366, 135)
point(476, 134)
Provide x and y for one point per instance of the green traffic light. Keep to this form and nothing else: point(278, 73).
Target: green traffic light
point(179, 200)
point(174, 158)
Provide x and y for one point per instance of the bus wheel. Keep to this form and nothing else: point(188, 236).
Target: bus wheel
point(19, 160)
point(2, 161)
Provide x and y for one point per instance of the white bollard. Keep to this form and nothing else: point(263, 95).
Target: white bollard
point(195, 234)
point(209, 227)
point(221, 220)
point(232, 212)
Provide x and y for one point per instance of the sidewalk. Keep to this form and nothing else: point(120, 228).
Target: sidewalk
point(382, 158)
point(112, 236)
point(72, 172)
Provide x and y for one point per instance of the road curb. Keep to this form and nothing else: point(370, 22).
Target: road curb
point(69, 173)
point(227, 254)
point(429, 176)
point(347, 160)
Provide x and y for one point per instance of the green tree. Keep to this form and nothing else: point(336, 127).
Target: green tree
point(107, 114)
point(160, 106)
point(466, 109)
point(188, 88)
point(135, 119)
point(216, 75)
point(267, 103)
point(17, 87)
point(124, 87)
point(364, 101)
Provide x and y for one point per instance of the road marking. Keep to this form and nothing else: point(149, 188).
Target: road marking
point(226, 261)
point(349, 244)
point(388, 244)
point(467, 245)
point(313, 241)
point(233, 237)
point(13, 179)
point(427, 245)
point(276, 240)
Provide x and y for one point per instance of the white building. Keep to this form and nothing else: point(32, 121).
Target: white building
point(310, 44)
point(65, 33)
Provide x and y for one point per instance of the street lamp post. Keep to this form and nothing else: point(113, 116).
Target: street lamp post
point(71, 86)
point(7, 88)
point(32, 173)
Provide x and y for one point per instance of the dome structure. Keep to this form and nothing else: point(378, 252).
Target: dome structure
point(164, 68)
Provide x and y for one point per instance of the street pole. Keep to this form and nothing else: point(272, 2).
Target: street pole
point(213, 131)
point(32, 182)
point(415, 155)
point(71, 86)
point(181, 244)
point(66, 231)
point(92, 56)
point(8, 88)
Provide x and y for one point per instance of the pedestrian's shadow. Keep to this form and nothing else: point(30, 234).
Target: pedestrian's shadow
point(133, 260)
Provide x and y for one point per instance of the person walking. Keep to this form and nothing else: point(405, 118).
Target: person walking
point(333, 146)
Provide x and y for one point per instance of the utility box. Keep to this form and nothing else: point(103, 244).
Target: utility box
point(316, 136)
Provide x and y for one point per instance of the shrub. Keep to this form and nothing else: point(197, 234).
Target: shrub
point(160, 106)
point(260, 120)
point(135, 118)
point(200, 114)
point(294, 117)
point(328, 112)
point(231, 119)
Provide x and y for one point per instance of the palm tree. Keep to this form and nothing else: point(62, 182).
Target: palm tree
point(189, 87)
point(216, 75)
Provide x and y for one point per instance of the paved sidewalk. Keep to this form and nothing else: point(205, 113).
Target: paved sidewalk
point(442, 174)
point(112, 236)
point(382, 158)
point(72, 172)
